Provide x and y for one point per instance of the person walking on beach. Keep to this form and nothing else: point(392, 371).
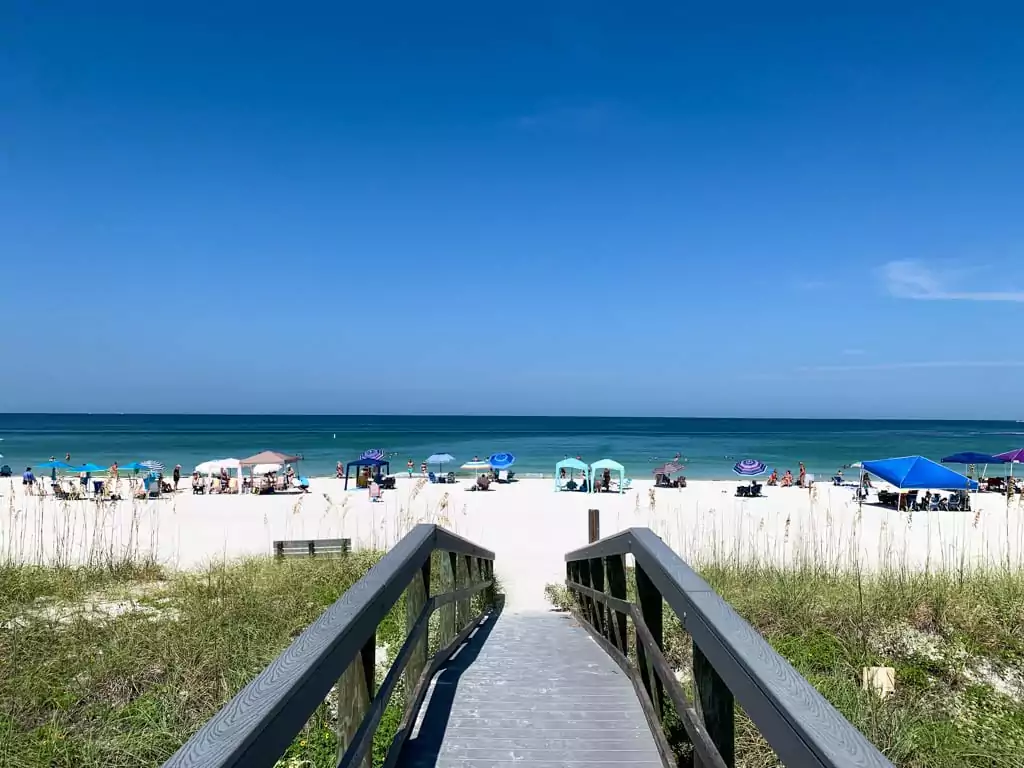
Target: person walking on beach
point(409, 466)
point(176, 475)
point(802, 480)
point(53, 470)
point(29, 480)
point(423, 469)
point(338, 471)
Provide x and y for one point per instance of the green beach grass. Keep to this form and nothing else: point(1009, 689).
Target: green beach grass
point(118, 666)
point(956, 641)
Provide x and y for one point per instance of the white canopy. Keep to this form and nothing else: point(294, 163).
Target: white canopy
point(214, 466)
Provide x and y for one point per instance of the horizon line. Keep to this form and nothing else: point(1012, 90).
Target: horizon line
point(495, 416)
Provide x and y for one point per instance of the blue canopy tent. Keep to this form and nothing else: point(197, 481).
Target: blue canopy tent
point(612, 466)
point(569, 465)
point(917, 472)
point(366, 463)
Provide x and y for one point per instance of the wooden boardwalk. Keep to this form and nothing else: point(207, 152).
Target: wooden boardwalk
point(534, 690)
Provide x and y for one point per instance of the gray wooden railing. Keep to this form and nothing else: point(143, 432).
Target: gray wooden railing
point(257, 726)
point(730, 659)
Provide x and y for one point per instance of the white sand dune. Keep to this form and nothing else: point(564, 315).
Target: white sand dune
point(528, 525)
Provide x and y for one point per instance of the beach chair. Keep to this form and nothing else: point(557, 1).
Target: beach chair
point(432, 477)
point(743, 490)
point(376, 492)
point(502, 475)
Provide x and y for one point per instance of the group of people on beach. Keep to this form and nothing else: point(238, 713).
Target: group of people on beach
point(786, 481)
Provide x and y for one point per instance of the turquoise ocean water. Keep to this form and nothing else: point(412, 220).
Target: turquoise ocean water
point(709, 446)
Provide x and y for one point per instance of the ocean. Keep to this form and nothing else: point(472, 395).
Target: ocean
point(709, 447)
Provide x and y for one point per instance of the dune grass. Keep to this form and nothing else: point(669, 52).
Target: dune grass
point(956, 641)
point(117, 666)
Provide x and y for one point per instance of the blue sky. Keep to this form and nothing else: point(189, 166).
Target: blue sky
point(535, 207)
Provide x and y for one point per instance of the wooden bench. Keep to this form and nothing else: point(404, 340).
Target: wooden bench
point(312, 547)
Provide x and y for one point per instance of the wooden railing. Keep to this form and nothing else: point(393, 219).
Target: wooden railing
point(257, 726)
point(730, 659)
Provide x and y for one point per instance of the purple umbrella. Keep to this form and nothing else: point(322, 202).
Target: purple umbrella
point(1012, 457)
point(750, 468)
point(1015, 455)
point(669, 469)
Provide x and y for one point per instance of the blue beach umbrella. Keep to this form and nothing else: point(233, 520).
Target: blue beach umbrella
point(132, 466)
point(55, 464)
point(750, 468)
point(439, 459)
point(90, 468)
point(502, 460)
point(374, 453)
point(972, 457)
point(152, 466)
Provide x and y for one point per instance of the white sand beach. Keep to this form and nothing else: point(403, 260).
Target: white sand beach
point(527, 524)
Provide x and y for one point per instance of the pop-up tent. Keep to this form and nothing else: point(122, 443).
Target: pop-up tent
point(569, 465)
point(366, 463)
point(910, 472)
point(609, 464)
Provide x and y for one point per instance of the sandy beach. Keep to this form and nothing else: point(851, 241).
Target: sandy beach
point(527, 524)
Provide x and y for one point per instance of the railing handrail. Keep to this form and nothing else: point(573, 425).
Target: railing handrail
point(797, 721)
point(259, 723)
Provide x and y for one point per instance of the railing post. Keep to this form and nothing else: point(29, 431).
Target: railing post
point(449, 569)
point(487, 573)
point(572, 576)
point(354, 692)
point(616, 568)
point(415, 600)
point(593, 525)
point(464, 579)
point(715, 705)
point(587, 600)
point(651, 610)
point(597, 583)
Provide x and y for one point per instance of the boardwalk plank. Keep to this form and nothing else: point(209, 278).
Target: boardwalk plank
point(534, 690)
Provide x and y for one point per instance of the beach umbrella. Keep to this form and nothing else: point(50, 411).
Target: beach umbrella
point(374, 453)
point(90, 468)
point(475, 466)
point(1011, 457)
point(972, 457)
point(750, 468)
point(439, 459)
point(132, 466)
point(55, 464)
point(152, 466)
point(502, 460)
point(669, 468)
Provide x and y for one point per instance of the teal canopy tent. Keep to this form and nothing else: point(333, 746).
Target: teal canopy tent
point(569, 465)
point(611, 465)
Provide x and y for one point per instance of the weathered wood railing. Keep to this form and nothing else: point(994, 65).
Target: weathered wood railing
point(730, 659)
point(257, 726)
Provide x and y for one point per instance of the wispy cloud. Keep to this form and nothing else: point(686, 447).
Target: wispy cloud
point(909, 279)
point(576, 117)
point(912, 365)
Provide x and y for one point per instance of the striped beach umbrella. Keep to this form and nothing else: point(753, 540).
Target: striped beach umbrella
point(669, 469)
point(476, 466)
point(376, 454)
point(502, 460)
point(152, 466)
point(750, 468)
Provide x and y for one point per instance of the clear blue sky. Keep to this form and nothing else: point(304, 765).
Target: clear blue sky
point(532, 207)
